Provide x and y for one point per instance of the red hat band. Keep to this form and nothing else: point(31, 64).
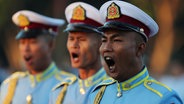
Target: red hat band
point(34, 25)
point(87, 21)
point(132, 21)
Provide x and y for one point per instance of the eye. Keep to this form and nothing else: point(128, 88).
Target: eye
point(103, 40)
point(82, 39)
point(117, 40)
point(22, 41)
point(70, 38)
point(33, 41)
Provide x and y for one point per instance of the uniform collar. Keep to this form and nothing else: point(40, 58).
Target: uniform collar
point(49, 72)
point(96, 78)
point(135, 81)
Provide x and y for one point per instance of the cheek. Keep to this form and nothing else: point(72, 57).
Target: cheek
point(101, 49)
point(125, 56)
point(21, 50)
point(41, 49)
point(88, 52)
point(68, 45)
point(94, 49)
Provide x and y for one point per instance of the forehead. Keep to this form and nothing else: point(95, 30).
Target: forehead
point(119, 33)
point(82, 34)
point(39, 38)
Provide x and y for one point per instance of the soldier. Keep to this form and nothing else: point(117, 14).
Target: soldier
point(36, 43)
point(126, 32)
point(83, 45)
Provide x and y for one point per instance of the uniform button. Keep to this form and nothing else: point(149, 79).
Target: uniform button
point(149, 82)
point(82, 91)
point(119, 94)
point(28, 99)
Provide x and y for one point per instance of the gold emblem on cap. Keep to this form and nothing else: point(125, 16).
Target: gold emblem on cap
point(113, 11)
point(78, 13)
point(23, 20)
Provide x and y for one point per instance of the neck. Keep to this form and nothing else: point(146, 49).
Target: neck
point(39, 69)
point(133, 70)
point(85, 73)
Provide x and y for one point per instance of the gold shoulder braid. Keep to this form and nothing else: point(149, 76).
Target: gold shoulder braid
point(61, 95)
point(11, 91)
point(12, 82)
point(99, 95)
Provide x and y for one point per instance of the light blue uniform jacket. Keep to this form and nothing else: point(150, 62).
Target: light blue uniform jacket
point(140, 89)
point(37, 87)
point(78, 91)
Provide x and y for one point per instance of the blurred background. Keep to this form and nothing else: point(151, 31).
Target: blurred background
point(164, 55)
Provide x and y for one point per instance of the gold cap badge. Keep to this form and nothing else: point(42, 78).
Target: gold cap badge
point(23, 20)
point(78, 13)
point(113, 11)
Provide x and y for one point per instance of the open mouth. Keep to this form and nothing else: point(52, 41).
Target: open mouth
point(75, 56)
point(110, 62)
point(27, 58)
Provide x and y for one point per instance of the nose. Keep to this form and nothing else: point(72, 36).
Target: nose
point(75, 44)
point(106, 47)
point(25, 47)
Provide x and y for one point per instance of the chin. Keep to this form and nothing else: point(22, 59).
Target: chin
point(75, 66)
point(113, 75)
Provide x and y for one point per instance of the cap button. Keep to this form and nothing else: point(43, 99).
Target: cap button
point(141, 30)
point(25, 28)
point(50, 30)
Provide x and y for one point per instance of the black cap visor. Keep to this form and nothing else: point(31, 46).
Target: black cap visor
point(121, 26)
point(118, 26)
point(30, 33)
point(81, 28)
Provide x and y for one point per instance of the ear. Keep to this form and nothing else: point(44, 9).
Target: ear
point(52, 45)
point(140, 49)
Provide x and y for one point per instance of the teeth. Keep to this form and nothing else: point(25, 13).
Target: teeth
point(108, 58)
point(76, 59)
point(111, 67)
point(110, 62)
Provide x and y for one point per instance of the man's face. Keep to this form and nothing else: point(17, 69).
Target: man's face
point(118, 52)
point(83, 49)
point(35, 52)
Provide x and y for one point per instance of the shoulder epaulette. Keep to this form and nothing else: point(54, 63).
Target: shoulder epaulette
point(105, 82)
point(15, 75)
point(68, 80)
point(156, 87)
point(61, 75)
point(66, 73)
point(12, 82)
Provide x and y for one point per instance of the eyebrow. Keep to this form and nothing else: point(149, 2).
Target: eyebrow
point(113, 36)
